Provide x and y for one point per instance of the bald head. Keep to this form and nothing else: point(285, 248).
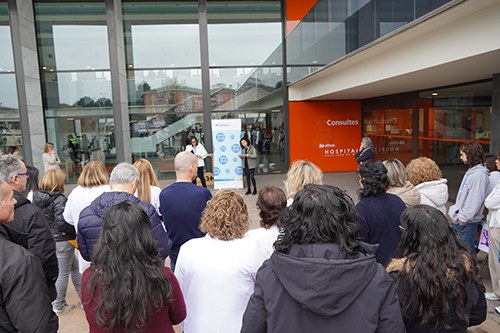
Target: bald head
point(185, 166)
point(184, 160)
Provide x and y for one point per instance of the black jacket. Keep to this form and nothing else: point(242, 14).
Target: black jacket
point(475, 309)
point(30, 230)
point(52, 205)
point(24, 301)
point(365, 154)
point(317, 288)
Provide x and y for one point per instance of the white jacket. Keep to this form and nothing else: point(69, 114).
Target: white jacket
point(200, 152)
point(434, 194)
point(492, 202)
point(217, 279)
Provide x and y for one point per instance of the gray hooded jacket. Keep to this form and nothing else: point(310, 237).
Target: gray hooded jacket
point(471, 195)
point(317, 288)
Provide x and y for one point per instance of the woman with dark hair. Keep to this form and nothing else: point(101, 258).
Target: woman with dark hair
point(437, 278)
point(271, 203)
point(491, 165)
point(322, 278)
point(201, 153)
point(378, 211)
point(32, 183)
point(127, 288)
point(249, 157)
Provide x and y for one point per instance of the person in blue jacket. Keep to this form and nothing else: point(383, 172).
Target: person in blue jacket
point(123, 184)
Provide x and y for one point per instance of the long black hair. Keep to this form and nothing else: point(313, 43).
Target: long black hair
point(127, 270)
point(320, 214)
point(437, 267)
point(374, 178)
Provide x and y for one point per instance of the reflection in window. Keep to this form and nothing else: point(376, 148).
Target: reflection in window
point(161, 34)
point(72, 41)
point(257, 23)
point(10, 127)
point(245, 88)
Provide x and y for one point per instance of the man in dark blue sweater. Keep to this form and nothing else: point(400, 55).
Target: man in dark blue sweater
point(182, 203)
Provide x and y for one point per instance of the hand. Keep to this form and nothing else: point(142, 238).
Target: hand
point(461, 223)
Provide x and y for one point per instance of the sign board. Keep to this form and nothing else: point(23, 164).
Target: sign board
point(483, 239)
point(326, 133)
point(228, 171)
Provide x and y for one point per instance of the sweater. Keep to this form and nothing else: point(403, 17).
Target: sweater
point(161, 321)
point(408, 193)
point(181, 205)
point(379, 223)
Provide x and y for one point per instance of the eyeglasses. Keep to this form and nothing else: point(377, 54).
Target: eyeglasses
point(27, 173)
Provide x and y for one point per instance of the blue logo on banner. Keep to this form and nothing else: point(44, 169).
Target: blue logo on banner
point(232, 136)
point(220, 137)
point(228, 171)
point(239, 171)
point(216, 171)
point(235, 159)
point(223, 159)
point(222, 148)
point(236, 148)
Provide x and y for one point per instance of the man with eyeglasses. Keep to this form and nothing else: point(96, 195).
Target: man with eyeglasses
point(24, 300)
point(29, 228)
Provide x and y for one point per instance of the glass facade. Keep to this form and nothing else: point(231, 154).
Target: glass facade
point(10, 128)
point(75, 73)
point(334, 28)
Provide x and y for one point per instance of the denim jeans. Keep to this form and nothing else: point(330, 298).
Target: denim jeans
point(467, 234)
point(68, 264)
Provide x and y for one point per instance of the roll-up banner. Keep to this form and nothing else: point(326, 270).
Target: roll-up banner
point(228, 171)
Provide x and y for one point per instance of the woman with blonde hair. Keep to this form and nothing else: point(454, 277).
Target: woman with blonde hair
point(217, 272)
point(427, 178)
point(148, 189)
point(399, 183)
point(93, 181)
point(50, 159)
point(300, 174)
point(51, 200)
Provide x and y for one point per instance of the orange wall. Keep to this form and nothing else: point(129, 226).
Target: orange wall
point(325, 133)
point(295, 12)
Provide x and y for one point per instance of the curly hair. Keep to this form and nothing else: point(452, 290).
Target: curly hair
point(474, 152)
point(127, 272)
point(395, 172)
point(225, 216)
point(437, 267)
point(147, 179)
point(93, 174)
point(374, 179)
point(53, 180)
point(271, 202)
point(421, 170)
point(320, 214)
point(299, 175)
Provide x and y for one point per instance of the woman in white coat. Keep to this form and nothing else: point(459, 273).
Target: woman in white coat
point(201, 153)
point(217, 272)
point(492, 202)
point(93, 181)
point(426, 176)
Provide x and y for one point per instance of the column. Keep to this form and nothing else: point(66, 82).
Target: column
point(495, 115)
point(23, 34)
point(118, 80)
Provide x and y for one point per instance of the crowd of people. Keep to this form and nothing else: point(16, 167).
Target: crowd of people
point(396, 260)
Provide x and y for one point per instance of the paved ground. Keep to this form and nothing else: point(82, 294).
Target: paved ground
point(75, 322)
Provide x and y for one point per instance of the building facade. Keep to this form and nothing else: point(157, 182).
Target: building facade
point(118, 80)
